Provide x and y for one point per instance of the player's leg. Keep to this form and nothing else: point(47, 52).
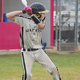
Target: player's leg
point(24, 76)
point(27, 63)
point(46, 62)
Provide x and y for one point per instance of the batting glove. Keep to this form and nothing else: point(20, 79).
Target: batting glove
point(27, 10)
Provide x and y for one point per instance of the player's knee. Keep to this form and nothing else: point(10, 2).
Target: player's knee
point(53, 70)
point(29, 76)
point(55, 73)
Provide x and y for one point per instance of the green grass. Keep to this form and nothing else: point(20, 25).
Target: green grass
point(68, 65)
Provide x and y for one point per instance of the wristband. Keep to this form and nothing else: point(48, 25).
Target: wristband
point(35, 19)
point(23, 11)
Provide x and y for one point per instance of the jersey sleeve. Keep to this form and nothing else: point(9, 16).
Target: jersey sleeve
point(19, 20)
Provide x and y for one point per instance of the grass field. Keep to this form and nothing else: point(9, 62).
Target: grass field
point(68, 65)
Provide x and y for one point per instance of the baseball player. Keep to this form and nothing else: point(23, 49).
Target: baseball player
point(30, 39)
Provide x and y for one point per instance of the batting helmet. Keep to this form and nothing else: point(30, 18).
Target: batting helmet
point(38, 8)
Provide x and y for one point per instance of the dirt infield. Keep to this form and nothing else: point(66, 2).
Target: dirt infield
point(17, 51)
point(48, 50)
point(4, 52)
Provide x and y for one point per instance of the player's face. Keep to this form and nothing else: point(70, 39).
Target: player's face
point(42, 16)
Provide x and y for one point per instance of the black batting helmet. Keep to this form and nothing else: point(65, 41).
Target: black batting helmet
point(38, 8)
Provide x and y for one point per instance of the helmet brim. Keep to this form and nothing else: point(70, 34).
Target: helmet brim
point(46, 11)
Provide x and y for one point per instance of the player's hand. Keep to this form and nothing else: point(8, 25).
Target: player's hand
point(27, 10)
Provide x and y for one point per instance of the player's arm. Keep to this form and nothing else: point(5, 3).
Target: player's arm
point(37, 21)
point(11, 15)
point(41, 25)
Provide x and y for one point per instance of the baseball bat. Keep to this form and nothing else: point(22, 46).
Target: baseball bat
point(24, 2)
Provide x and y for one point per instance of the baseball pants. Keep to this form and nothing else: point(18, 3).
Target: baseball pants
point(28, 58)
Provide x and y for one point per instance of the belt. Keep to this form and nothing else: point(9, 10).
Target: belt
point(30, 49)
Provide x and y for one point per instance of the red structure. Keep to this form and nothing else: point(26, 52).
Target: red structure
point(51, 24)
point(1, 10)
point(9, 35)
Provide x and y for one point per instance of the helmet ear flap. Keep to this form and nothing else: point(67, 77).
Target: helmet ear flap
point(38, 15)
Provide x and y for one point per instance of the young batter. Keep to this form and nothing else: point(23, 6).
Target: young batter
point(30, 39)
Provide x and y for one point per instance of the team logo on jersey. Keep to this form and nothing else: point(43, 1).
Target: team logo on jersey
point(33, 30)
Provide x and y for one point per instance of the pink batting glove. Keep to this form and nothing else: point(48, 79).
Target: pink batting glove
point(27, 10)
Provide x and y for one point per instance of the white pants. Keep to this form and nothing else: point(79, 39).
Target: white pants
point(28, 58)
